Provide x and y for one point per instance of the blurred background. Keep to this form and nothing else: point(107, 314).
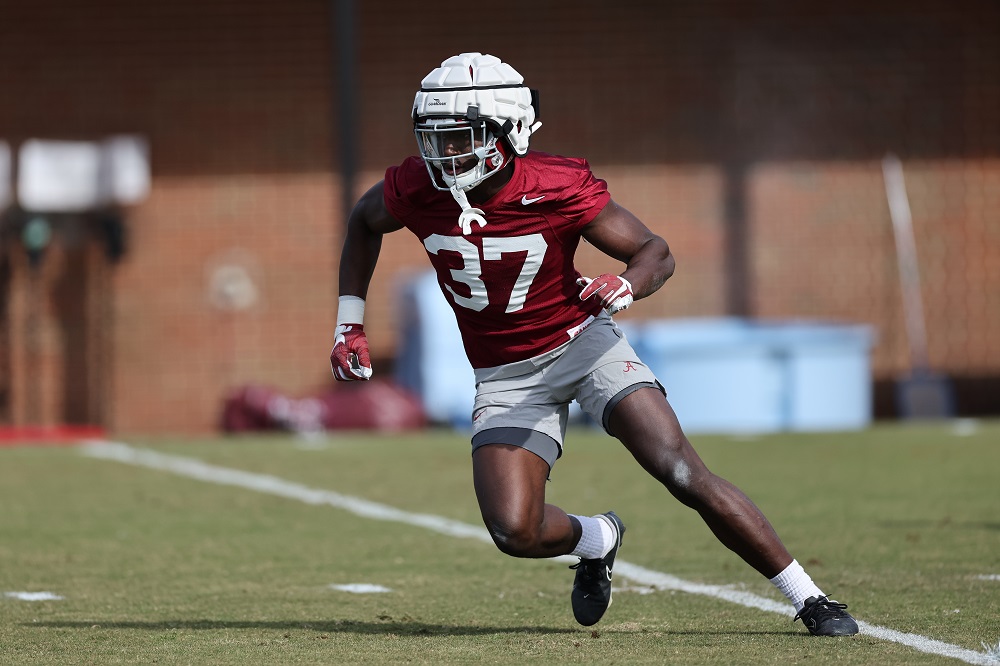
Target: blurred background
point(175, 176)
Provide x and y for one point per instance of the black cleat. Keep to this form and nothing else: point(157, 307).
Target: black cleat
point(824, 617)
point(592, 585)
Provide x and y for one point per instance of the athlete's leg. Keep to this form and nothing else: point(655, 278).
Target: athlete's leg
point(648, 427)
point(510, 486)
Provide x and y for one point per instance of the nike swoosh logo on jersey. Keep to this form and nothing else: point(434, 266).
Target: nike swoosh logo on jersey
point(525, 200)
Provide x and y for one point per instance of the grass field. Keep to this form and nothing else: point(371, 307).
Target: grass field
point(162, 561)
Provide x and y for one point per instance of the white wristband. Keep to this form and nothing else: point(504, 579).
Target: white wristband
point(351, 310)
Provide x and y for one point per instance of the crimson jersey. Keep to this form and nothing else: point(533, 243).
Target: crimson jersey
point(512, 283)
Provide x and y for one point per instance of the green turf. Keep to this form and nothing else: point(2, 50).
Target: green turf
point(899, 521)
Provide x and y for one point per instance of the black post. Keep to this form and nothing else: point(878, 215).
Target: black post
point(736, 255)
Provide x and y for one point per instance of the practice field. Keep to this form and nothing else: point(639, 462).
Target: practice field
point(369, 549)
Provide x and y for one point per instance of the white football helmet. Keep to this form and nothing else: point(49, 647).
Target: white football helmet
point(471, 116)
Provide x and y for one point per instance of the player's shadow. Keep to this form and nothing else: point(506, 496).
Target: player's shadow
point(398, 627)
point(403, 627)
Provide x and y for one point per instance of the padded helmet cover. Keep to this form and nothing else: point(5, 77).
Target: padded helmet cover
point(485, 82)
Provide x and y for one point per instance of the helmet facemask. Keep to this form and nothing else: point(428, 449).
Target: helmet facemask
point(460, 153)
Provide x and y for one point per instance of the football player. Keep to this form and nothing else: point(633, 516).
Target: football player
point(500, 225)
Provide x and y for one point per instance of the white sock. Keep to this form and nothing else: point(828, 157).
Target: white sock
point(597, 539)
point(796, 584)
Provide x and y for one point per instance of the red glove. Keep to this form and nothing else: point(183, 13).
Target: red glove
point(349, 359)
point(613, 291)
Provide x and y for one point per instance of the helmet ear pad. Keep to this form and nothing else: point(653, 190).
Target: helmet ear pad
point(504, 148)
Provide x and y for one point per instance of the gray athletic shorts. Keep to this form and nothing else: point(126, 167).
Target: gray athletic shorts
point(526, 403)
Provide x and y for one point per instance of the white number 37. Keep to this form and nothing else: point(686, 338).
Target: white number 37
point(493, 250)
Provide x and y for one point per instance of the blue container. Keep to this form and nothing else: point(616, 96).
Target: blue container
point(430, 356)
point(731, 375)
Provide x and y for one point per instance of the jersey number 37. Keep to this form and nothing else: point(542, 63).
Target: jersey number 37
point(493, 250)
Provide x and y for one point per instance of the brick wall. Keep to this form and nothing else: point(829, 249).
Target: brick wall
point(235, 100)
point(706, 118)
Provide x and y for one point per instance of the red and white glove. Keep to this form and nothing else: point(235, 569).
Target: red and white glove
point(613, 291)
point(349, 359)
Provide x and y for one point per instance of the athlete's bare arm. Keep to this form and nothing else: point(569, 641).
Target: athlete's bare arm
point(621, 235)
point(369, 221)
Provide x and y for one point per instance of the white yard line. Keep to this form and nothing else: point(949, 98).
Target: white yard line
point(34, 596)
point(272, 485)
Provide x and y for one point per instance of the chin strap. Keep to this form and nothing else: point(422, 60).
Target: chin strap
point(469, 214)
